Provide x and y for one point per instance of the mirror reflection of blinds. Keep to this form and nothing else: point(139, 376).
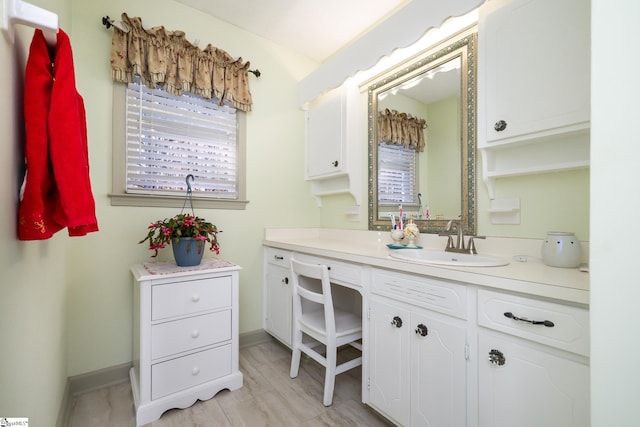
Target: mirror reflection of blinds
point(396, 174)
point(169, 137)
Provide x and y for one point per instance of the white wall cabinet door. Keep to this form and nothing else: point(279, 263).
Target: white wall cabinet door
point(527, 386)
point(536, 66)
point(326, 136)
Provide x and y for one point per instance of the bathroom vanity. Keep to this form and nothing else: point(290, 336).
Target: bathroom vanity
point(185, 335)
point(446, 345)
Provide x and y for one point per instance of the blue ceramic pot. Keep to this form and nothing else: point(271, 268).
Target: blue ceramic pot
point(188, 251)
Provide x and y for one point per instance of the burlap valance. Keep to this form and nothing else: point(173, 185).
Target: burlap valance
point(168, 60)
point(401, 129)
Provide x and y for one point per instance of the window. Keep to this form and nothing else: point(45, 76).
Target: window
point(159, 139)
point(397, 175)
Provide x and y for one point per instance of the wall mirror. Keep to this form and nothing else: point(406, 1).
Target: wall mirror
point(422, 140)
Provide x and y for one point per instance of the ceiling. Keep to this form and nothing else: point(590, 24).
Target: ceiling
point(316, 29)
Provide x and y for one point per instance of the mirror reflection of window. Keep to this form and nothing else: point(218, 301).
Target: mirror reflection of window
point(397, 176)
point(439, 87)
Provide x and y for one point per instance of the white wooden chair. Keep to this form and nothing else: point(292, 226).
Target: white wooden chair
point(315, 315)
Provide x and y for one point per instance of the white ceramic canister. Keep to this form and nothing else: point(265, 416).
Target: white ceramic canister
point(561, 249)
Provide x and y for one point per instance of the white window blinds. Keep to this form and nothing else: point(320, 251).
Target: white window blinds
point(397, 177)
point(169, 137)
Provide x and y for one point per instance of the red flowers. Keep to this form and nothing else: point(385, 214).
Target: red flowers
point(183, 225)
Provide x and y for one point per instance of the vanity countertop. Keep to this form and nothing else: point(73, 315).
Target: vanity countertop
point(370, 247)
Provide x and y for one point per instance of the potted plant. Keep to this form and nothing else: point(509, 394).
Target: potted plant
point(188, 235)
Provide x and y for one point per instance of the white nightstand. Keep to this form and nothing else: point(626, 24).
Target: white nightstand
point(185, 335)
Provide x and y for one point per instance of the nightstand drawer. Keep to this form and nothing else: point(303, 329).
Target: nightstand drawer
point(188, 371)
point(567, 327)
point(188, 297)
point(187, 334)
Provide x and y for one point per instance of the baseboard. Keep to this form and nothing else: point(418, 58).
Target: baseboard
point(89, 381)
point(65, 407)
point(106, 377)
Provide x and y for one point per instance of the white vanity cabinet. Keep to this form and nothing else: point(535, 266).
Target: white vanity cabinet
point(185, 335)
point(534, 86)
point(532, 374)
point(417, 355)
point(438, 348)
point(277, 294)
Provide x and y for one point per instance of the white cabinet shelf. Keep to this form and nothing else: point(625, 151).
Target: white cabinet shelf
point(533, 92)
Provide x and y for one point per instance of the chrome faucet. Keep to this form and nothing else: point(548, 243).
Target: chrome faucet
point(459, 246)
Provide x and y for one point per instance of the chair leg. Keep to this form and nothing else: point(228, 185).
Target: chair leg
point(295, 354)
point(330, 375)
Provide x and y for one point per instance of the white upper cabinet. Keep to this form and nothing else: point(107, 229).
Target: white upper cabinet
point(332, 142)
point(534, 77)
point(326, 137)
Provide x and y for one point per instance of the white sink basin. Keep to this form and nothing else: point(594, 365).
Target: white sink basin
point(448, 258)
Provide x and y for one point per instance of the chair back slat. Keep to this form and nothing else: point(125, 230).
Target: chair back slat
point(305, 276)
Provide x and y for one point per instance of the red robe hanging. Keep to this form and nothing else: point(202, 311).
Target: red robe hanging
point(57, 189)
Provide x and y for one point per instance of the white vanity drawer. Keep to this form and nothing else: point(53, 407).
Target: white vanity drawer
point(190, 333)
point(338, 271)
point(278, 257)
point(188, 297)
point(437, 295)
point(570, 330)
point(188, 371)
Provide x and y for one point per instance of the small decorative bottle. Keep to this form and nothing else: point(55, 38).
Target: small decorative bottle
point(412, 232)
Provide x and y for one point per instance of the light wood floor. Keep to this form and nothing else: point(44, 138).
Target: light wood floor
point(268, 397)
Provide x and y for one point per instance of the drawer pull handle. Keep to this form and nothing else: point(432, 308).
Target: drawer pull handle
point(397, 322)
point(195, 298)
point(278, 257)
point(547, 323)
point(422, 330)
point(195, 371)
point(496, 357)
point(195, 333)
point(285, 280)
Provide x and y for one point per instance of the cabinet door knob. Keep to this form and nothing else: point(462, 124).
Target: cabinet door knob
point(195, 298)
point(285, 280)
point(335, 163)
point(422, 330)
point(500, 125)
point(397, 322)
point(195, 371)
point(195, 333)
point(496, 357)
